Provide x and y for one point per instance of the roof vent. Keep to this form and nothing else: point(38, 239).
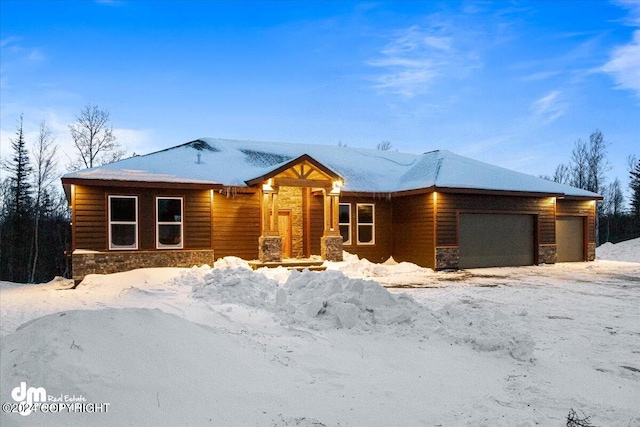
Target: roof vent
point(198, 162)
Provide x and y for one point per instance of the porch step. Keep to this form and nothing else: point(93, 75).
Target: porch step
point(293, 264)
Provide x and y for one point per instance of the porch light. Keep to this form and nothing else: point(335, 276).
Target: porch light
point(267, 187)
point(336, 186)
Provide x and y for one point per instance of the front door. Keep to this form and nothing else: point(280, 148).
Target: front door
point(284, 228)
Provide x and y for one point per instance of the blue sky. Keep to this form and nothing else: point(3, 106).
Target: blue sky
point(509, 83)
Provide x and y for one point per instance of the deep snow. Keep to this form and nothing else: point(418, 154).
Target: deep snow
point(228, 346)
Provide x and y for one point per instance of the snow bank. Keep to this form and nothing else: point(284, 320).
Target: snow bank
point(627, 251)
point(331, 300)
point(486, 331)
point(152, 368)
point(238, 286)
point(327, 300)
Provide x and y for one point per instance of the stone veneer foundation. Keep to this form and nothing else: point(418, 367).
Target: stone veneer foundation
point(447, 258)
point(331, 248)
point(547, 254)
point(116, 261)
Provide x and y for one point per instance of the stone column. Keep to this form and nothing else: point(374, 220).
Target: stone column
point(331, 242)
point(270, 242)
point(331, 248)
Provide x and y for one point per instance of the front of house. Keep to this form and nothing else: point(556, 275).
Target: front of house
point(210, 198)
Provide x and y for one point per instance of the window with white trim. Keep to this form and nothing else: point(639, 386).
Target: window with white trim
point(344, 221)
point(123, 222)
point(366, 223)
point(169, 233)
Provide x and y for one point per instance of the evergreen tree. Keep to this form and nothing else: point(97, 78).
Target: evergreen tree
point(19, 175)
point(16, 226)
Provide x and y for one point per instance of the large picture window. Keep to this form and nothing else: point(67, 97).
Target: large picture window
point(344, 222)
point(366, 223)
point(123, 222)
point(169, 223)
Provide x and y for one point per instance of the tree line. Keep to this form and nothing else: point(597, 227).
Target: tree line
point(35, 229)
point(587, 169)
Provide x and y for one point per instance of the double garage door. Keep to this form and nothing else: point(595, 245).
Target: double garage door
point(496, 240)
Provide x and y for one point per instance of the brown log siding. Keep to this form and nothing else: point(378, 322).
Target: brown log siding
point(448, 206)
point(90, 212)
point(413, 229)
point(89, 218)
point(236, 225)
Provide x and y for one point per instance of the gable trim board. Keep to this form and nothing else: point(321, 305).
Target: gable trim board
point(424, 210)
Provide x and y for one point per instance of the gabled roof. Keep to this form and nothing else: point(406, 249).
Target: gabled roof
point(235, 163)
point(305, 158)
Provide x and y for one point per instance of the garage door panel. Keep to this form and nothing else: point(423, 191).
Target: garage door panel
point(570, 238)
point(490, 240)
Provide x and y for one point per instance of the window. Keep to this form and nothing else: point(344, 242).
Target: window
point(366, 222)
point(123, 222)
point(344, 222)
point(169, 222)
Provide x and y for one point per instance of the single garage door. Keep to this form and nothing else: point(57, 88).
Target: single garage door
point(570, 238)
point(495, 240)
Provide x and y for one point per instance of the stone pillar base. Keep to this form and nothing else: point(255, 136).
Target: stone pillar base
point(547, 254)
point(447, 258)
point(331, 248)
point(270, 248)
point(591, 251)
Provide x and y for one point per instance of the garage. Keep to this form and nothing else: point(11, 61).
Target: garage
point(489, 240)
point(570, 238)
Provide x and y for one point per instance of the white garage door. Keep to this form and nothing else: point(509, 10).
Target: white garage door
point(495, 240)
point(570, 238)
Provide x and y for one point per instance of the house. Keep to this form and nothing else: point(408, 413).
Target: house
point(211, 198)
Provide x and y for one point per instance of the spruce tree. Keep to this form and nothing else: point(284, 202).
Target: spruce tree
point(16, 226)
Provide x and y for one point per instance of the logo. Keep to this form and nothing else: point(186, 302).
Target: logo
point(29, 397)
point(35, 399)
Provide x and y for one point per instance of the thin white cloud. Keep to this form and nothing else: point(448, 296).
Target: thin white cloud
point(415, 57)
point(7, 41)
point(624, 62)
point(12, 47)
point(624, 65)
point(549, 107)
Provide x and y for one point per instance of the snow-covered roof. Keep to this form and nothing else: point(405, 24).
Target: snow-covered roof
point(234, 163)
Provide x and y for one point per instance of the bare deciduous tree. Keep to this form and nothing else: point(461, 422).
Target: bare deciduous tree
point(597, 162)
point(579, 165)
point(562, 174)
point(384, 146)
point(94, 139)
point(44, 175)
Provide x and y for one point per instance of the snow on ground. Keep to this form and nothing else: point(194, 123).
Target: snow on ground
point(228, 346)
point(624, 251)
